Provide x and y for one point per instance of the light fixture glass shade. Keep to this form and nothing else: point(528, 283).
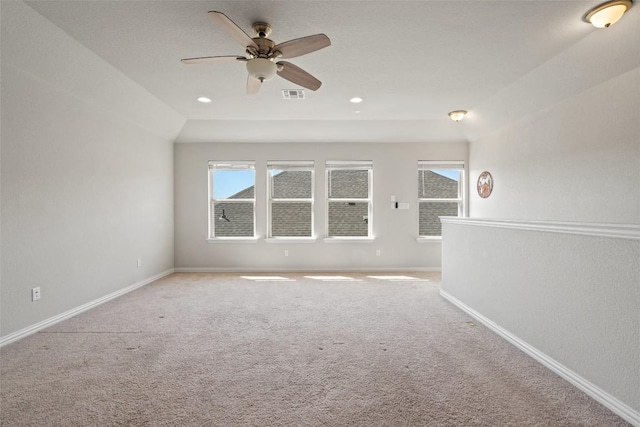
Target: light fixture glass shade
point(261, 68)
point(457, 115)
point(606, 14)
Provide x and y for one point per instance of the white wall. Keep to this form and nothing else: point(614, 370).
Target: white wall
point(571, 297)
point(577, 161)
point(87, 186)
point(395, 231)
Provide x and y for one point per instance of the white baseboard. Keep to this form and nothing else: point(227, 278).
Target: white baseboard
point(15, 336)
point(302, 270)
point(621, 409)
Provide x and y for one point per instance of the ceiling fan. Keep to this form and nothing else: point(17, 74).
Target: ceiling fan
point(263, 55)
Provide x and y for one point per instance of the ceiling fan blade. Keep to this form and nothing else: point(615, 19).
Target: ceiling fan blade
point(253, 85)
point(297, 75)
point(302, 46)
point(232, 29)
point(213, 59)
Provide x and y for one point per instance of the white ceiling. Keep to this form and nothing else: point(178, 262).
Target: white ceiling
point(411, 61)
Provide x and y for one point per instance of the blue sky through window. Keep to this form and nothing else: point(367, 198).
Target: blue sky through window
point(449, 173)
point(226, 183)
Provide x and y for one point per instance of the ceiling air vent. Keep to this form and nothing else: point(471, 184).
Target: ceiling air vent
point(293, 93)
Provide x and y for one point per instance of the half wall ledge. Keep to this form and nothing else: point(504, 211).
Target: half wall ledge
point(619, 231)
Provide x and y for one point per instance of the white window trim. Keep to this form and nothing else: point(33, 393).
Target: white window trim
point(229, 165)
point(293, 165)
point(458, 165)
point(349, 165)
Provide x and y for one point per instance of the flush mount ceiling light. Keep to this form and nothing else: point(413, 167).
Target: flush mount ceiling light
point(204, 100)
point(457, 115)
point(606, 14)
point(356, 100)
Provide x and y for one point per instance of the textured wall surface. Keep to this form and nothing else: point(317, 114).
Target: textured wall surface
point(575, 298)
point(395, 231)
point(577, 161)
point(87, 189)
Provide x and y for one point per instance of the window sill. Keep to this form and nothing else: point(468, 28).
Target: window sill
point(435, 239)
point(232, 240)
point(290, 240)
point(349, 239)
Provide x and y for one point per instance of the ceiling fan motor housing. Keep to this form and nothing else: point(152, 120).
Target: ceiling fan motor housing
point(262, 29)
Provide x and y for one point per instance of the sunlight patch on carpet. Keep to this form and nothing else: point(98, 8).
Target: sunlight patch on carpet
point(334, 278)
point(268, 278)
point(398, 278)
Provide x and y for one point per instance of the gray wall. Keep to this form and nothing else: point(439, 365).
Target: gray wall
point(87, 174)
point(575, 298)
point(395, 231)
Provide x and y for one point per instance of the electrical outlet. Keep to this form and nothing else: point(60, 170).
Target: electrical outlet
point(378, 252)
point(286, 252)
point(139, 262)
point(35, 294)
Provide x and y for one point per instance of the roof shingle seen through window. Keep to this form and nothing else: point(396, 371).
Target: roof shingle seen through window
point(432, 185)
point(293, 219)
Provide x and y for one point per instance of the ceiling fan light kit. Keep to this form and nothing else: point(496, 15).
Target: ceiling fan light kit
point(263, 55)
point(261, 69)
point(607, 14)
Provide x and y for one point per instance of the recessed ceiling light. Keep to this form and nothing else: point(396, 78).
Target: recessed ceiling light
point(457, 115)
point(357, 111)
point(356, 100)
point(204, 100)
point(608, 13)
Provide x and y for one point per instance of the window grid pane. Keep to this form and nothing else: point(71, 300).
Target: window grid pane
point(233, 184)
point(430, 213)
point(440, 193)
point(438, 184)
point(291, 184)
point(348, 219)
point(233, 219)
point(232, 208)
point(291, 219)
point(348, 184)
point(290, 198)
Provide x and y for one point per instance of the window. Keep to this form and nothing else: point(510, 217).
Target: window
point(440, 193)
point(290, 199)
point(349, 198)
point(232, 199)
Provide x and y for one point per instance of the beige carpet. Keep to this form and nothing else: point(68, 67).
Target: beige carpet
point(220, 350)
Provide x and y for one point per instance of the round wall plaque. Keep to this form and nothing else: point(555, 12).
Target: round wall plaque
point(485, 184)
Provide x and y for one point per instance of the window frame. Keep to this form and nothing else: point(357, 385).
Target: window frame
point(291, 165)
point(229, 165)
point(349, 165)
point(432, 165)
